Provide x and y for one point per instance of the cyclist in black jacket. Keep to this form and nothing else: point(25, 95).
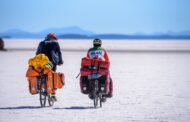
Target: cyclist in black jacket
point(50, 47)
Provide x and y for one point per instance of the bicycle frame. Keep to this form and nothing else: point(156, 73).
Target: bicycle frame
point(42, 90)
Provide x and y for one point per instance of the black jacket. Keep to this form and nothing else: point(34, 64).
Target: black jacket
point(52, 50)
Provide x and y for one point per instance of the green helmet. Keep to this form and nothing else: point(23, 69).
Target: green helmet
point(97, 42)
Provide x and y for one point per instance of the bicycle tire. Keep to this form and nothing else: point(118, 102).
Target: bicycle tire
point(95, 95)
point(95, 100)
point(43, 92)
point(42, 98)
point(100, 96)
point(50, 101)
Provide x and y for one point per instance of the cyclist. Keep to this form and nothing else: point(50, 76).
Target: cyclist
point(50, 47)
point(97, 52)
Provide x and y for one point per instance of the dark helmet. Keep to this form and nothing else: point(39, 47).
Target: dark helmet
point(97, 42)
point(51, 36)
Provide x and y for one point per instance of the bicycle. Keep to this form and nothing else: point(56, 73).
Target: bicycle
point(42, 90)
point(98, 91)
point(93, 80)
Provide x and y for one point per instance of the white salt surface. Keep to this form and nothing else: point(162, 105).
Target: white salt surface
point(148, 87)
point(108, 44)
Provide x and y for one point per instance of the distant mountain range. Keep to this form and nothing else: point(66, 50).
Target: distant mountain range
point(78, 33)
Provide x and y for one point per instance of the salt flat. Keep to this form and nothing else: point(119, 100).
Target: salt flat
point(112, 45)
point(148, 87)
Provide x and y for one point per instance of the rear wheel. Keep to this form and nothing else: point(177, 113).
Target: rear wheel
point(95, 93)
point(43, 98)
point(95, 99)
point(50, 100)
point(43, 92)
point(100, 96)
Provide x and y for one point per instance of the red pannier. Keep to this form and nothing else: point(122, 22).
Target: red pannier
point(85, 71)
point(102, 67)
point(94, 62)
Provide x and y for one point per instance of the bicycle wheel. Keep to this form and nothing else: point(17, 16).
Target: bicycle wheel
point(43, 97)
point(100, 97)
point(50, 100)
point(95, 93)
point(95, 99)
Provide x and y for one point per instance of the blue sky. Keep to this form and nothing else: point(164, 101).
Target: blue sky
point(99, 16)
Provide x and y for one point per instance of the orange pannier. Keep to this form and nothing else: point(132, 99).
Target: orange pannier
point(58, 80)
point(49, 82)
point(32, 81)
point(31, 72)
point(32, 75)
